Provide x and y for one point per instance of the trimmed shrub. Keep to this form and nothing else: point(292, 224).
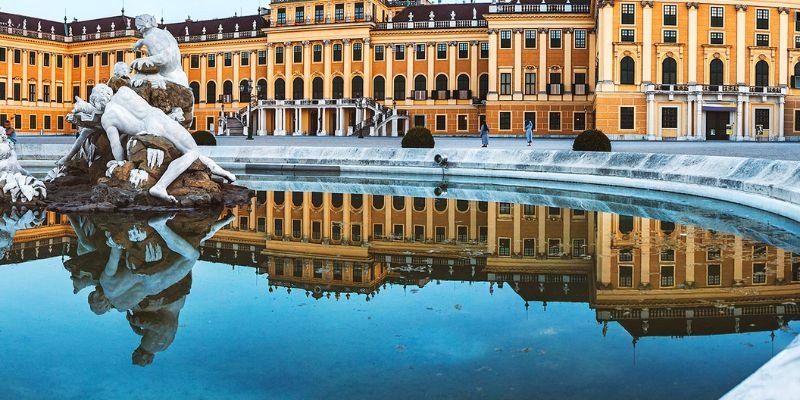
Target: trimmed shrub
point(204, 138)
point(592, 140)
point(418, 137)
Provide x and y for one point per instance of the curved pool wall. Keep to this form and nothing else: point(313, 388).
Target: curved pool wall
point(769, 185)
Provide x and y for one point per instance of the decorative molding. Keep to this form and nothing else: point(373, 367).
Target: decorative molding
point(569, 30)
point(517, 30)
point(326, 42)
point(690, 5)
point(453, 43)
point(783, 10)
point(306, 43)
point(605, 3)
point(741, 7)
point(542, 30)
point(647, 3)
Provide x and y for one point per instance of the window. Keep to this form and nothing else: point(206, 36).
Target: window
point(210, 124)
point(554, 121)
point(32, 92)
point(244, 58)
point(17, 56)
point(717, 17)
point(717, 38)
point(227, 59)
point(316, 53)
point(104, 58)
point(669, 71)
point(262, 57)
point(17, 95)
point(462, 122)
point(377, 231)
point(59, 60)
point(625, 255)
point(419, 233)
point(578, 247)
point(505, 39)
point(2, 56)
point(762, 40)
point(762, 117)
point(627, 35)
point(59, 94)
point(279, 55)
point(504, 208)
point(530, 83)
point(194, 61)
point(32, 121)
point(379, 55)
point(505, 120)
point(670, 15)
point(319, 13)
point(60, 122)
point(762, 18)
point(555, 39)
point(398, 231)
point(441, 51)
point(759, 273)
point(554, 247)
point(713, 254)
point(336, 231)
point(580, 38)
point(357, 51)
point(762, 73)
point(628, 14)
point(297, 56)
point(46, 93)
point(441, 122)
point(627, 71)
point(505, 83)
point(76, 61)
point(795, 267)
point(668, 276)
point(626, 118)
point(529, 116)
point(211, 60)
point(670, 36)
point(714, 275)
point(281, 16)
point(31, 57)
point(463, 50)
point(419, 54)
point(299, 15)
point(337, 52)
point(625, 276)
point(669, 117)
point(46, 59)
point(797, 21)
point(796, 119)
point(379, 88)
point(338, 13)
point(90, 60)
point(484, 50)
point(530, 39)
point(716, 72)
point(579, 121)
point(504, 247)
point(528, 247)
point(554, 86)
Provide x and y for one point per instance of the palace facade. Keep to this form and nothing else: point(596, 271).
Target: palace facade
point(653, 70)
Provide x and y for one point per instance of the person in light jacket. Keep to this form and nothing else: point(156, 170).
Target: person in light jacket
point(484, 134)
point(529, 131)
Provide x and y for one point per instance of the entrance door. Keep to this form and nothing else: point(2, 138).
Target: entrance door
point(313, 123)
point(717, 125)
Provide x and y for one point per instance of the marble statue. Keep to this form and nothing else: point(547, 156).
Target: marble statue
point(254, 25)
point(84, 30)
point(113, 27)
point(236, 28)
point(391, 16)
point(98, 28)
point(204, 30)
point(25, 25)
point(411, 17)
point(127, 23)
point(70, 31)
point(431, 16)
point(186, 30)
point(164, 60)
point(39, 26)
point(452, 15)
point(474, 13)
point(219, 29)
point(18, 186)
point(52, 30)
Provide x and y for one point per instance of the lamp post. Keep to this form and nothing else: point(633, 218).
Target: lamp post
point(222, 115)
point(247, 87)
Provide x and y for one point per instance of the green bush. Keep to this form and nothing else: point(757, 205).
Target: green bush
point(418, 137)
point(592, 140)
point(204, 138)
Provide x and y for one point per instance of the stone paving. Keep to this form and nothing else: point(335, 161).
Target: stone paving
point(770, 150)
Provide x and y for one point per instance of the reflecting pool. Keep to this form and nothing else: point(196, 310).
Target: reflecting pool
point(304, 294)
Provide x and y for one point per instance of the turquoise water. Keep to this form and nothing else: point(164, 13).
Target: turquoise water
point(451, 339)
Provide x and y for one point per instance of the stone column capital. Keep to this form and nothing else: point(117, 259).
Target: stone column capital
point(453, 43)
point(741, 7)
point(569, 30)
point(475, 42)
point(690, 5)
point(346, 42)
point(305, 43)
point(605, 3)
point(493, 31)
point(783, 10)
point(326, 42)
point(647, 4)
point(517, 30)
point(542, 30)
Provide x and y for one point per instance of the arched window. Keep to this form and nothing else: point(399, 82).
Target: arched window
point(399, 88)
point(338, 87)
point(398, 203)
point(280, 89)
point(195, 91)
point(358, 87)
point(356, 201)
point(419, 204)
point(317, 88)
point(441, 82)
point(440, 204)
point(227, 89)
point(244, 91)
point(379, 88)
point(262, 89)
point(796, 77)
point(625, 225)
point(762, 73)
point(420, 83)
point(483, 86)
point(297, 89)
point(316, 199)
point(297, 199)
point(669, 71)
point(211, 92)
point(462, 205)
point(716, 74)
point(378, 201)
point(626, 71)
point(337, 200)
point(463, 82)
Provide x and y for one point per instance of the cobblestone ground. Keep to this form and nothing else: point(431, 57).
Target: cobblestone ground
point(771, 150)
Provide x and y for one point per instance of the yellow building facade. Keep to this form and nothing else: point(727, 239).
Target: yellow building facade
point(653, 70)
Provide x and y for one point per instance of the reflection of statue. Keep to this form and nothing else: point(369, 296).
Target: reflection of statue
point(14, 220)
point(142, 269)
point(164, 60)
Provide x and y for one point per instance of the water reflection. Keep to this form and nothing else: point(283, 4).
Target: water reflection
point(140, 266)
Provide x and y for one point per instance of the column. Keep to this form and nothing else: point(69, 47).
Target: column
point(473, 220)
point(690, 249)
point(388, 229)
point(567, 45)
point(747, 126)
point(699, 132)
point(410, 55)
point(83, 94)
point(492, 95)
point(409, 208)
point(346, 212)
point(220, 61)
point(592, 37)
point(737, 261)
point(203, 80)
point(366, 221)
point(326, 46)
point(253, 57)
point(741, 49)
point(516, 241)
point(566, 225)
point(39, 78)
point(781, 122)
point(491, 240)
point(367, 57)
point(780, 265)
point(326, 217)
point(647, 42)
point(347, 59)
point(644, 274)
point(306, 69)
point(692, 45)
point(24, 84)
point(53, 85)
point(389, 54)
point(517, 94)
point(270, 70)
point(541, 239)
point(604, 248)
point(10, 77)
point(306, 234)
point(451, 220)
point(270, 207)
point(323, 122)
point(237, 57)
point(739, 120)
point(288, 59)
point(651, 117)
point(474, 54)
point(452, 55)
point(430, 55)
point(591, 235)
point(262, 122)
point(97, 61)
point(606, 38)
point(68, 97)
point(429, 231)
point(542, 69)
point(783, 48)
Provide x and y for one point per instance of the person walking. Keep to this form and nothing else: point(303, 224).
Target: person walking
point(11, 133)
point(484, 134)
point(529, 131)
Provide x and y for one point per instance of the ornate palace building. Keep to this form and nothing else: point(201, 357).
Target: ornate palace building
point(652, 70)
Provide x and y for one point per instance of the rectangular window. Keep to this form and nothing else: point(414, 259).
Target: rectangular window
point(441, 51)
point(210, 124)
point(504, 247)
point(504, 208)
point(667, 276)
point(336, 231)
point(32, 92)
point(463, 50)
point(795, 267)
point(505, 120)
point(377, 231)
point(46, 59)
point(762, 118)
point(670, 15)
point(59, 60)
point(59, 94)
point(262, 57)
point(714, 276)
point(17, 56)
point(554, 212)
point(669, 117)
point(120, 56)
point(625, 255)
point(579, 121)
point(441, 122)
point(554, 86)
point(90, 60)
point(555, 39)
point(244, 223)
point(580, 38)
point(46, 93)
point(104, 58)
point(484, 50)
point(797, 21)
point(505, 83)
point(355, 233)
point(32, 121)
point(17, 89)
point(462, 122)
point(338, 13)
point(398, 231)
point(337, 52)
point(379, 55)
point(667, 255)
point(530, 39)
point(278, 227)
point(2, 55)
point(713, 254)
point(319, 13)
point(419, 233)
point(762, 40)
point(337, 271)
point(505, 39)
point(529, 247)
point(554, 247)
point(227, 59)
point(419, 54)
point(297, 54)
point(316, 53)
point(281, 20)
point(297, 228)
point(530, 116)
point(627, 35)
point(399, 52)
point(244, 59)
point(759, 273)
point(796, 119)
point(717, 38)
point(261, 224)
point(483, 234)
point(762, 18)
point(299, 15)
point(625, 276)
point(717, 17)
point(462, 233)
point(626, 118)
point(440, 235)
point(357, 51)
point(554, 121)
point(194, 61)
point(60, 123)
point(279, 55)
point(628, 14)
point(670, 36)
point(76, 61)
point(530, 83)
point(31, 58)
point(578, 247)
point(211, 60)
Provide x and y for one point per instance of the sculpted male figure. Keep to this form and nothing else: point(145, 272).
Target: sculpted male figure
point(164, 60)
